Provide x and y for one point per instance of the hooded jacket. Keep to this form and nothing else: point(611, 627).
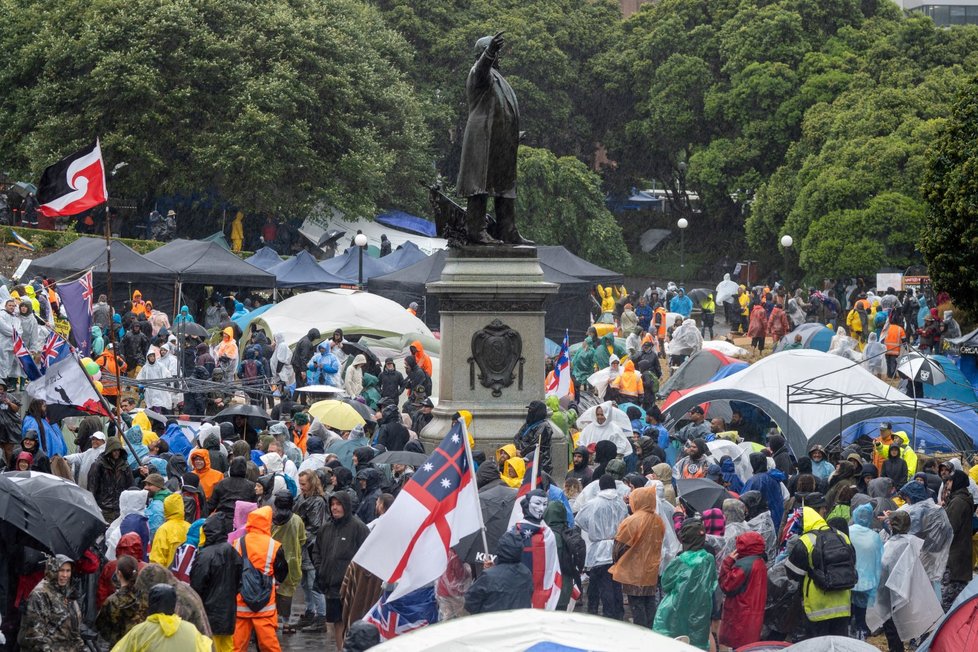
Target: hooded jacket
point(337, 543)
point(130, 544)
point(392, 382)
point(894, 467)
point(208, 476)
point(392, 434)
point(52, 621)
point(770, 488)
point(638, 542)
point(109, 477)
point(304, 350)
point(171, 534)
point(260, 546)
point(743, 581)
point(506, 585)
point(819, 604)
point(960, 510)
point(781, 454)
point(536, 428)
point(422, 358)
point(582, 470)
point(231, 489)
point(629, 383)
point(211, 442)
point(600, 519)
point(216, 575)
point(288, 530)
point(367, 511)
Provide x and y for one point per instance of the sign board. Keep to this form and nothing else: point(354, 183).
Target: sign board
point(889, 280)
point(22, 268)
point(920, 284)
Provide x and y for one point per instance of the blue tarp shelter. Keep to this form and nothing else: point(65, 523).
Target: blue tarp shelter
point(408, 223)
point(404, 256)
point(956, 387)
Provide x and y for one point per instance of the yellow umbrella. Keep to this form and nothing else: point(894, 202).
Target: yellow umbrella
point(337, 415)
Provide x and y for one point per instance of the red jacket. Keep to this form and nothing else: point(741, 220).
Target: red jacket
point(130, 544)
point(744, 594)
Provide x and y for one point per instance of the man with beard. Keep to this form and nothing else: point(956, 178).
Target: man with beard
point(581, 470)
point(695, 464)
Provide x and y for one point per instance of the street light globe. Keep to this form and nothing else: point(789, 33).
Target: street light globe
point(682, 223)
point(787, 241)
point(361, 240)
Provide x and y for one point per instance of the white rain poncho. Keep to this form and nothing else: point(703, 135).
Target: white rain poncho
point(905, 594)
point(686, 340)
point(600, 380)
point(734, 513)
point(720, 448)
point(131, 501)
point(614, 428)
point(874, 355)
point(844, 346)
point(283, 357)
point(600, 519)
point(930, 521)
point(727, 290)
point(670, 542)
point(160, 398)
point(591, 490)
point(726, 348)
point(763, 524)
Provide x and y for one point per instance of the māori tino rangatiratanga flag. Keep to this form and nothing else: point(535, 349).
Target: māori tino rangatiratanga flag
point(73, 184)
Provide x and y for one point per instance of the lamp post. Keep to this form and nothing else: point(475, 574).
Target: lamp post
point(786, 242)
point(682, 224)
point(360, 241)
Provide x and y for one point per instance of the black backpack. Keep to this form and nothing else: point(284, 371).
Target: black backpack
point(256, 587)
point(833, 562)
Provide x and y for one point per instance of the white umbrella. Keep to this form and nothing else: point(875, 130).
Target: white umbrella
point(523, 629)
point(741, 458)
point(320, 389)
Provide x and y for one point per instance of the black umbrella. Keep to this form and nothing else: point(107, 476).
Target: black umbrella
point(921, 369)
point(190, 329)
point(246, 410)
point(21, 520)
point(701, 494)
point(401, 457)
point(698, 296)
point(360, 347)
point(74, 520)
point(362, 409)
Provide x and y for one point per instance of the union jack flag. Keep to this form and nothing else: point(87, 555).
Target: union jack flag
point(55, 349)
point(24, 357)
point(437, 507)
point(395, 617)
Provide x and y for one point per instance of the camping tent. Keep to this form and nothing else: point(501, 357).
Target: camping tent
point(302, 271)
point(956, 387)
point(813, 336)
point(199, 262)
point(698, 369)
point(404, 256)
point(265, 258)
point(567, 309)
point(130, 271)
point(957, 630)
point(355, 312)
point(347, 266)
point(564, 261)
point(533, 629)
point(965, 348)
point(813, 396)
point(922, 434)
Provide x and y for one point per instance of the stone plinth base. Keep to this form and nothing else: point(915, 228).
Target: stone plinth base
point(492, 332)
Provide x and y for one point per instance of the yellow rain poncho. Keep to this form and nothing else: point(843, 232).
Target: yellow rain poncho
point(171, 534)
point(163, 633)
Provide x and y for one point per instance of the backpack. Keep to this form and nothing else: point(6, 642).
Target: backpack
point(576, 547)
point(256, 587)
point(249, 369)
point(833, 562)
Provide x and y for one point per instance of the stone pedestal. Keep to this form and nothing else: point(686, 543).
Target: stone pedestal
point(492, 332)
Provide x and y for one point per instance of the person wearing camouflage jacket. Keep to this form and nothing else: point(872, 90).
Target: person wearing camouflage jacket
point(52, 622)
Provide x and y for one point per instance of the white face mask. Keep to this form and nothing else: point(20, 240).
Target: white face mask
point(537, 506)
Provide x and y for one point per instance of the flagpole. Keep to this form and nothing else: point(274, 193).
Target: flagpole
point(108, 408)
point(113, 335)
point(468, 457)
point(536, 466)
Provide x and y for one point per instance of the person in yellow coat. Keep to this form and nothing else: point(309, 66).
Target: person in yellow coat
point(163, 630)
point(172, 534)
point(607, 299)
point(237, 232)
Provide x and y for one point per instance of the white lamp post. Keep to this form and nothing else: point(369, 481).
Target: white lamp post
point(360, 241)
point(682, 224)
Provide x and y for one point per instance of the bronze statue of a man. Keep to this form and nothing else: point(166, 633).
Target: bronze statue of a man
point(492, 135)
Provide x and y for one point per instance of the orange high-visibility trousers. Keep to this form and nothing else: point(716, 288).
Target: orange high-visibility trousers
point(263, 626)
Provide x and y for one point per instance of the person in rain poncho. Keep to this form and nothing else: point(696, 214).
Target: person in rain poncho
point(323, 368)
point(82, 462)
point(681, 304)
point(845, 347)
point(869, 565)
point(171, 534)
point(227, 348)
point(183, 317)
point(929, 522)
point(282, 361)
point(131, 501)
point(960, 508)
point(607, 349)
point(757, 327)
point(600, 426)
point(905, 606)
point(686, 340)
point(30, 330)
point(153, 370)
point(726, 295)
point(52, 619)
point(163, 630)
point(735, 524)
point(353, 379)
point(874, 356)
point(636, 553)
point(599, 519)
point(688, 585)
point(759, 520)
point(743, 580)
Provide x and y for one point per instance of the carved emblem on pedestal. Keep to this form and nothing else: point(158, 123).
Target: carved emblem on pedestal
point(496, 349)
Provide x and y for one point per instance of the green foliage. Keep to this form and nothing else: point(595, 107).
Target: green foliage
point(950, 242)
point(272, 105)
point(560, 202)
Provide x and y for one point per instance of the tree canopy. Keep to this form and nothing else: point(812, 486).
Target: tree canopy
point(950, 240)
point(270, 105)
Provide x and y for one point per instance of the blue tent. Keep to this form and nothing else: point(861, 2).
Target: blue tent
point(218, 238)
point(928, 436)
point(956, 387)
point(347, 266)
point(265, 258)
point(813, 336)
point(408, 223)
point(404, 256)
point(729, 370)
point(302, 271)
